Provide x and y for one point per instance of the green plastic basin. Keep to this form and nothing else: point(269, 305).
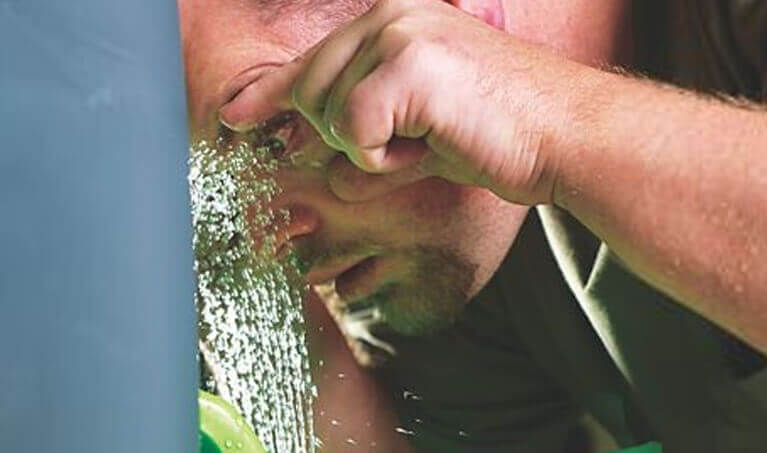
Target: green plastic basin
point(223, 430)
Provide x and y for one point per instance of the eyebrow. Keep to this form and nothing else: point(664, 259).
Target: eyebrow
point(270, 10)
point(272, 7)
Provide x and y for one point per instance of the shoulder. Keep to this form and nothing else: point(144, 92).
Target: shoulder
point(744, 22)
point(749, 22)
point(708, 45)
point(735, 34)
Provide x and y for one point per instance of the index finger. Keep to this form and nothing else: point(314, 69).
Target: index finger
point(262, 99)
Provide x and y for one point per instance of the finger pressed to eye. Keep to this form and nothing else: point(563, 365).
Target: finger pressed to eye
point(324, 66)
point(298, 84)
point(369, 120)
point(359, 67)
point(262, 99)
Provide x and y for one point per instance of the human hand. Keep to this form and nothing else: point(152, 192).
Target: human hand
point(418, 88)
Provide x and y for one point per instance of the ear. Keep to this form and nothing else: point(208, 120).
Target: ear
point(489, 11)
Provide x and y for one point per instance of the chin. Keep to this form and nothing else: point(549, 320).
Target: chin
point(423, 302)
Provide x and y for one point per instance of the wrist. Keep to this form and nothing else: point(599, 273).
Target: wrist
point(578, 135)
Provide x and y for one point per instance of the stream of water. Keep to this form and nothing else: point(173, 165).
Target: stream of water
point(252, 332)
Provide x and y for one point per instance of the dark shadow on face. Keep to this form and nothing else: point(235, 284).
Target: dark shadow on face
point(426, 300)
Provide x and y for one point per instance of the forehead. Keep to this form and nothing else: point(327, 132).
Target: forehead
point(223, 38)
point(290, 21)
point(329, 10)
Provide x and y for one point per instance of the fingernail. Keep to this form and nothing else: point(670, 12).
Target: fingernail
point(228, 118)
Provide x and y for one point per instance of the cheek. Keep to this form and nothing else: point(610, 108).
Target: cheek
point(479, 229)
point(453, 214)
point(470, 221)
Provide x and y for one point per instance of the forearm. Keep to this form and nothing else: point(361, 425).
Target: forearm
point(676, 185)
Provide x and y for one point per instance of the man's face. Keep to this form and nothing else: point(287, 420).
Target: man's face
point(416, 254)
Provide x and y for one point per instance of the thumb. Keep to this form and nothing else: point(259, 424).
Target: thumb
point(262, 99)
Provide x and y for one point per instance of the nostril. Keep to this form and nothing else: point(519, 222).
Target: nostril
point(302, 221)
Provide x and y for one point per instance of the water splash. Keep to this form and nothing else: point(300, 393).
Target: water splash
point(252, 333)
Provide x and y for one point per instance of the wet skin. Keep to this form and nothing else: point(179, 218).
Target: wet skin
point(419, 253)
point(427, 246)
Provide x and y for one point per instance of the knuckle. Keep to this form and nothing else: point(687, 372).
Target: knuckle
point(395, 34)
point(359, 107)
point(416, 50)
point(393, 7)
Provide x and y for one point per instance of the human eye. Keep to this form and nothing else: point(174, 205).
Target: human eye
point(275, 133)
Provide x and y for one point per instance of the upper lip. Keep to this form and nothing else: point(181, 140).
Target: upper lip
point(332, 268)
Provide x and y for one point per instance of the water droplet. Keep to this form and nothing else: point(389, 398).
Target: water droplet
point(408, 395)
point(463, 434)
point(239, 445)
point(351, 441)
point(228, 444)
point(404, 432)
point(335, 422)
point(341, 375)
point(575, 192)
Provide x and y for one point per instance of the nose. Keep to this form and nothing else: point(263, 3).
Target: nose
point(272, 233)
point(300, 221)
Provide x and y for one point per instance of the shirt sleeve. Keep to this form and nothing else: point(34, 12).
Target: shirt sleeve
point(749, 27)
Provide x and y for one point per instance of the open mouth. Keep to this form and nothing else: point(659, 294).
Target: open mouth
point(358, 283)
point(362, 324)
point(357, 279)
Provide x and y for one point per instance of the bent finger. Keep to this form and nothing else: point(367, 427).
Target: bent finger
point(353, 185)
point(262, 99)
point(314, 84)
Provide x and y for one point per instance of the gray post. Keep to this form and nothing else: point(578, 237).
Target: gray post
point(97, 321)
